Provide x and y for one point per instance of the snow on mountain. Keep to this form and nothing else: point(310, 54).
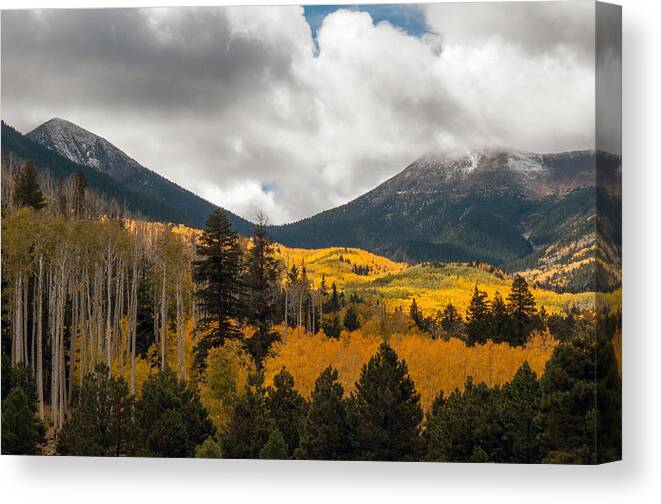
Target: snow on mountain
point(84, 147)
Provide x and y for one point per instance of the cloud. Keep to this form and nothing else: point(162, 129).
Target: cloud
point(237, 105)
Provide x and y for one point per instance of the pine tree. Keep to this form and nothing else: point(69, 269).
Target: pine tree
point(386, 410)
point(332, 327)
point(609, 389)
point(327, 430)
point(522, 308)
point(80, 186)
point(275, 447)
point(568, 409)
point(287, 409)
point(416, 315)
point(334, 302)
point(465, 425)
point(502, 322)
point(478, 320)
point(251, 424)
point(451, 321)
point(519, 405)
point(171, 420)
point(351, 322)
point(263, 285)
point(102, 421)
point(218, 274)
point(28, 192)
point(19, 436)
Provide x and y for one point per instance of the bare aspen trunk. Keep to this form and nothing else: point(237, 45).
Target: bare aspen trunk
point(34, 327)
point(134, 316)
point(119, 313)
point(74, 338)
point(17, 332)
point(39, 344)
point(286, 309)
point(163, 323)
point(108, 310)
point(300, 308)
point(84, 321)
point(24, 324)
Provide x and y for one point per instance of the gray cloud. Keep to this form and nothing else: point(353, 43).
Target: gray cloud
point(234, 104)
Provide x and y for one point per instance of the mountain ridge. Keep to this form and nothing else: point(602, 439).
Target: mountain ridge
point(505, 207)
point(88, 149)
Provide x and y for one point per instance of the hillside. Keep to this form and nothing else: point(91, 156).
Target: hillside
point(432, 285)
point(521, 211)
point(64, 148)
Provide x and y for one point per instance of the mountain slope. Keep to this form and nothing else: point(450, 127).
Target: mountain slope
point(167, 201)
point(504, 207)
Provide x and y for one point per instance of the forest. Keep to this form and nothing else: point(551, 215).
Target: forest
point(122, 337)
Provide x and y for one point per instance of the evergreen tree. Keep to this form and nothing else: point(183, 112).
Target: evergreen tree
point(5, 368)
point(287, 409)
point(465, 425)
point(21, 376)
point(451, 321)
point(521, 307)
point(28, 192)
point(519, 405)
point(251, 424)
point(80, 186)
point(170, 418)
point(275, 447)
point(568, 409)
point(351, 322)
point(332, 327)
point(19, 436)
point(609, 389)
point(500, 317)
point(416, 315)
point(334, 301)
point(218, 272)
point(327, 429)
point(102, 421)
point(386, 410)
point(263, 286)
point(478, 319)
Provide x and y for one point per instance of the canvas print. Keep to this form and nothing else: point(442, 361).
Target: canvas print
point(340, 232)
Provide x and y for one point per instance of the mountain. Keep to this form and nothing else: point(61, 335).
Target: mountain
point(552, 215)
point(155, 196)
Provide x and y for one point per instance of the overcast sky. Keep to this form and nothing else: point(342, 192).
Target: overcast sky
point(295, 111)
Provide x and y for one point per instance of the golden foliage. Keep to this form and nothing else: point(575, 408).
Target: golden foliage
point(434, 365)
point(336, 263)
point(224, 381)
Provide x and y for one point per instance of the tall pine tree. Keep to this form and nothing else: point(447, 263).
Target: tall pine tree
point(522, 309)
point(218, 273)
point(478, 318)
point(327, 430)
point(519, 405)
point(28, 192)
point(251, 424)
point(501, 320)
point(287, 409)
point(262, 290)
point(386, 410)
point(351, 322)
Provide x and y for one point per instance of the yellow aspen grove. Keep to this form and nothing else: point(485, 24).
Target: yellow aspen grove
point(434, 365)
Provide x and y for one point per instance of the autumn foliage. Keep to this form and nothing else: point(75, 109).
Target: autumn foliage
point(434, 365)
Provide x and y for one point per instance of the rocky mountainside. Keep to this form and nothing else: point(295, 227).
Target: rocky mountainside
point(84, 148)
point(522, 211)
